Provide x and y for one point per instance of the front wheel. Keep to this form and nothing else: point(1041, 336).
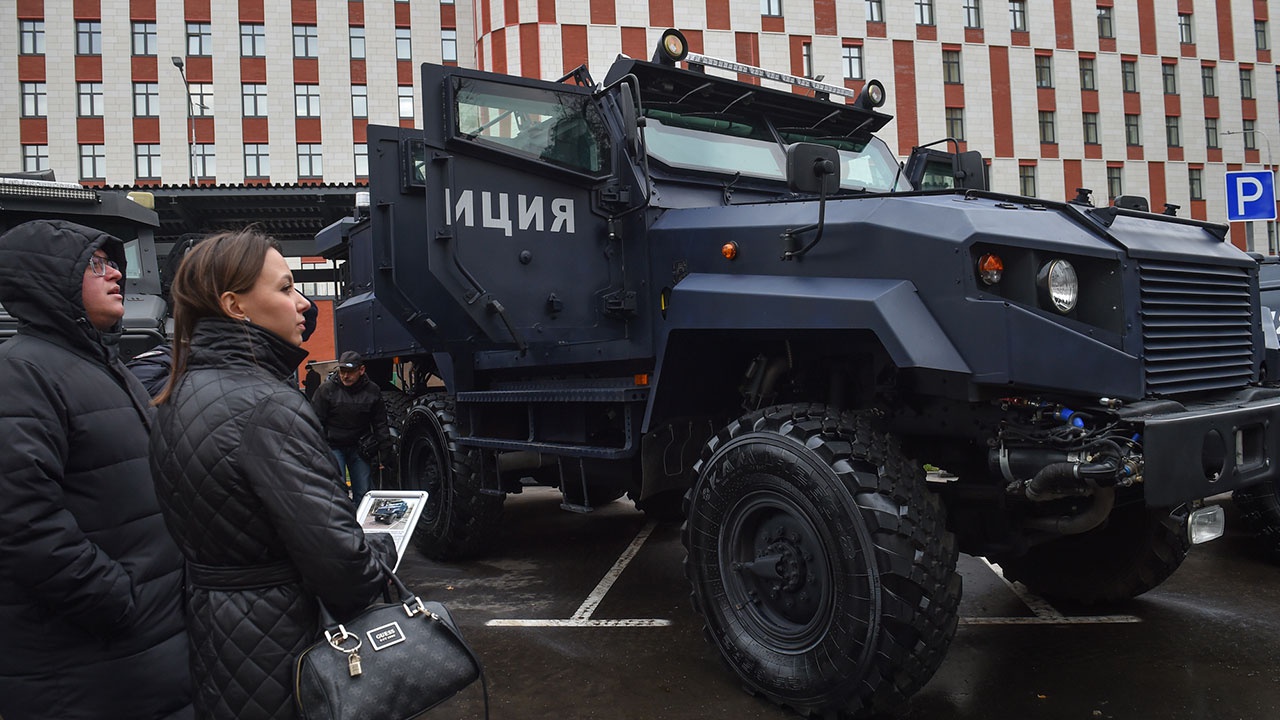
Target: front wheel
point(820, 561)
point(458, 520)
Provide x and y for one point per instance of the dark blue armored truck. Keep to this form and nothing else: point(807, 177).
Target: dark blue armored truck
point(732, 303)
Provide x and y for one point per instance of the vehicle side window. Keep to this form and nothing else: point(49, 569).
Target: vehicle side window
point(561, 128)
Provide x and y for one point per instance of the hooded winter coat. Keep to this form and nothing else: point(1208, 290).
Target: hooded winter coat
point(250, 492)
point(90, 582)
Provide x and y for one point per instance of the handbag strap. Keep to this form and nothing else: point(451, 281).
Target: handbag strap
point(412, 605)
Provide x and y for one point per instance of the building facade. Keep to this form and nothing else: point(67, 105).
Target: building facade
point(1156, 98)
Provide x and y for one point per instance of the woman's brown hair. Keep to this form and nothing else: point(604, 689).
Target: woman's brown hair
point(221, 263)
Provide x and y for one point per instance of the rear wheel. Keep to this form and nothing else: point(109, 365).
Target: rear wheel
point(820, 561)
point(458, 521)
point(397, 403)
point(1134, 551)
point(1260, 512)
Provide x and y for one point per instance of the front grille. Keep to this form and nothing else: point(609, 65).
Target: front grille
point(1197, 328)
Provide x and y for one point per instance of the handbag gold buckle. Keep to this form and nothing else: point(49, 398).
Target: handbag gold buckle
point(336, 640)
point(418, 607)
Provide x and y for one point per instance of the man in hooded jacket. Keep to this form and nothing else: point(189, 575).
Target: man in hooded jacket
point(90, 580)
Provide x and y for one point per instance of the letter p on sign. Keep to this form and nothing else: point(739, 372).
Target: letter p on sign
point(1251, 196)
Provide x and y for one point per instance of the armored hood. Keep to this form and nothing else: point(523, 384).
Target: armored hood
point(42, 266)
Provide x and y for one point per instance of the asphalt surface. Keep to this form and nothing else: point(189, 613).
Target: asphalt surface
point(588, 616)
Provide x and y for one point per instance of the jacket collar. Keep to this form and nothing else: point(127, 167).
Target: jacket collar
point(223, 342)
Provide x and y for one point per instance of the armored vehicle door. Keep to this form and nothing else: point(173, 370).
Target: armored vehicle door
point(519, 179)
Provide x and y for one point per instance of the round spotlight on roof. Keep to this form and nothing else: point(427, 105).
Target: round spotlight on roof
point(672, 48)
point(872, 95)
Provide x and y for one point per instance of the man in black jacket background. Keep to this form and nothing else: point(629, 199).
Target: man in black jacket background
point(90, 580)
point(350, 408)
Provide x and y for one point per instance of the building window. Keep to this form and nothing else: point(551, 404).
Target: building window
point(449, 45)
point(1129, 75)
point(1195, 183)
point(257, 160)
point(772, 8)
point(306, 100)
point(310, 160)
point(1115, 182)
point(90, 98)
point(357, 43)
point(1044, 71)
point(955, 123)
point(253, 40)
point(206, 165)
point(1186, 35)
point(972, 14)
point(306, 43)
point(1173, 130)
point(359, 101)
point(146, 100)
point(254, 99)
point(88, 37)
point(1088, 81)
point(1211, 133)
point(404, 46)
point(93, 162)
point(1027, 180)
point(1132, 130)
point(1169, 76)
point(201, 99)
point(1209, 80)
point(199, 39)
point(924, 12)
point(852, 58)
point(806, 60)
point(1260, 35)
point(362, 160)
point(1048, 131)
point(1106, 23)
point(146, 161)
point(145, 40)
point(35, 100)
point(1090, 128)
point(951, 71)
point(31, 37)
point(1248, 134)
point(405, 94)
point(35, 158)
point(1246, 83)
point(875, 11)
point(1018, 15)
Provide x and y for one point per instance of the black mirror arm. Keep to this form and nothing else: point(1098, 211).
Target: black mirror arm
point(820, 168)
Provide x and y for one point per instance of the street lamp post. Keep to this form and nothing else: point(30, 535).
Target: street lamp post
point(1271, 239)
point(191, 121)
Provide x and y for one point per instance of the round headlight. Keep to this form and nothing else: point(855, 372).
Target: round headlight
point(1059, 286)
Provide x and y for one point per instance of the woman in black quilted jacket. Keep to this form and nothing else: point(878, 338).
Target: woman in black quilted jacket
point(246, 482)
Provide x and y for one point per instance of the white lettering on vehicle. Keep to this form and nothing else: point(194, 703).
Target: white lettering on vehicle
point(495, 211)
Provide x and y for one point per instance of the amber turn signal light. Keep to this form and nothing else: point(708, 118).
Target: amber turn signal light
point(990, 268)
point(729, 250)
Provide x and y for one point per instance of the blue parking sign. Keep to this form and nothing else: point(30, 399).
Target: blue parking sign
point(1251, 196)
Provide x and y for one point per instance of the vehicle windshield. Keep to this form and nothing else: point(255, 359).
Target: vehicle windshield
point(739, 145)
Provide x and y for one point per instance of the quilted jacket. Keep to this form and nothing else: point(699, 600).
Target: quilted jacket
point(250, 492)
point(90, 582)
point(350, 413)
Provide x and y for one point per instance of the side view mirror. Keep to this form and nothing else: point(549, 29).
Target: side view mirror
point(813, 168)
point(930, 169)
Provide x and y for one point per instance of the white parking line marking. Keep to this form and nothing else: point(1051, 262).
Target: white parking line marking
point(582, 618)
point(1044, 613)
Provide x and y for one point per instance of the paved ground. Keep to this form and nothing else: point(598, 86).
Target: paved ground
point(550, 627)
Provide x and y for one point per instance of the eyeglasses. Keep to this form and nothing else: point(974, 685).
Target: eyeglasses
point(98, 265)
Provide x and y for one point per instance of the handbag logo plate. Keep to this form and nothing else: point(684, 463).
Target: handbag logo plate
point(385, 636)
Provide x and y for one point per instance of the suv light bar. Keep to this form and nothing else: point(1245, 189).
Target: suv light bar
point(707, 60)
point(21, 187)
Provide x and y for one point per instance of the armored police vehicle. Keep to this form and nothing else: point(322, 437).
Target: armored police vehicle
point(731, 302)
point(35, 196)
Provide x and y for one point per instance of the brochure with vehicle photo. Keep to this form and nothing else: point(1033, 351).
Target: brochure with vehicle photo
point(392, 511)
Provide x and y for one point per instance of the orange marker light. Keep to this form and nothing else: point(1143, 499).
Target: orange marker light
point(729, 250)
point(642, 379)
point(990, 268)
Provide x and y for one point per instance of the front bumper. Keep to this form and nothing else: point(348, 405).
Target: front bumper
point(1197, 450)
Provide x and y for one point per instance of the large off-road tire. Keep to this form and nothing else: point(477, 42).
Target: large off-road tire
point(1259, 507)
point(1136, 549)
point(820, 561)
point(458, 521)
point(397, 403)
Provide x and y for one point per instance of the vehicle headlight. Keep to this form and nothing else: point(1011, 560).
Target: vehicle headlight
point(1059, 286)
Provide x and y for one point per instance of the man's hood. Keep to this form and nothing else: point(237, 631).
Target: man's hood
point(42, 266)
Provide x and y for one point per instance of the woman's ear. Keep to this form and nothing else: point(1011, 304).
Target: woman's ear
point(231, 306)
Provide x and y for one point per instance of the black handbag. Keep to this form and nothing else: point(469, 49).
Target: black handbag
point(368, 447)
point(392, 661)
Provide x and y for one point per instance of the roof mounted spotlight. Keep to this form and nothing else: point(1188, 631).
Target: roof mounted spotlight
point(871, 97)
point(672, 48)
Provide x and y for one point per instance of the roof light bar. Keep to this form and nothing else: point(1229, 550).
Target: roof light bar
point(698, 59)
point(21, 187)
